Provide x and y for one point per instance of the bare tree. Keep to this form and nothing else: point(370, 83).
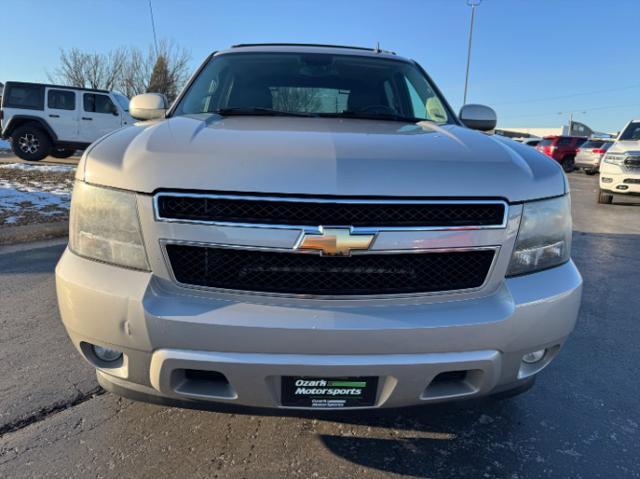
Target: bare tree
point(90, 70)
point(128, 70)
point(138, 71)
point(296, 99)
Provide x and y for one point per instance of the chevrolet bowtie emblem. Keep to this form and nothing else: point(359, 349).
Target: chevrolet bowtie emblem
point(335, 241)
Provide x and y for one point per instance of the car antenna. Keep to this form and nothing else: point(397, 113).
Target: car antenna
point(377, 48)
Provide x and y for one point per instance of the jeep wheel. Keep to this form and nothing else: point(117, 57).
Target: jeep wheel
point(568, 164)
point(30, 143)
point(590, 172)
point(604, 198)
point(61, 153)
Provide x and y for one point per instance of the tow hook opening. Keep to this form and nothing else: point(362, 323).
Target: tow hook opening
point(202, 383)
point(454, 383)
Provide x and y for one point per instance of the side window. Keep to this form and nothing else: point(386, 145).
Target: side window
point(96, 103)
point(419, 108)
point(24, 96)
point(564, 141)
point(61, 99)
point(425, 103)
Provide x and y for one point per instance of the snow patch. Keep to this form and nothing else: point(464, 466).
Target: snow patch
point(16, 196)
point(39, 168)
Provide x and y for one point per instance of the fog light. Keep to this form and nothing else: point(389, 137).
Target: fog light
point(534, 356)
point(607, 180)
point(105, 354)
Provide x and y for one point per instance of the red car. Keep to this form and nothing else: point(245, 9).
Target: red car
point(563, 149)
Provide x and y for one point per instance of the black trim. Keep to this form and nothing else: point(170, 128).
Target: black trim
point(311, 45)
point(21, 119)
point(49, 85)
point(71, 145)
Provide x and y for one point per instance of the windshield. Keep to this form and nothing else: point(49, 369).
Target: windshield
point(631, 132)
point(122, 100)
point(546, 142)
point(313, 85)
point(592, 144)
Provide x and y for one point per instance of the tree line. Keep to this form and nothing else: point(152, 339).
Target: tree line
point(129, 70)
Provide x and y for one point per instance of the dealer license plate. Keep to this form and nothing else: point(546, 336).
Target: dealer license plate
point(328, 392)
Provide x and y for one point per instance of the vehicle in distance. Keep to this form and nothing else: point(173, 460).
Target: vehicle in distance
point(313, 227)
point(620, 167)
point(563, 149)
point(42, 120)
point(533, 142)
point(590, 155)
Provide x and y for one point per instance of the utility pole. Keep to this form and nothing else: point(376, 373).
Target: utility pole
point(473, 4)
point(570, 122)
point(153, 26)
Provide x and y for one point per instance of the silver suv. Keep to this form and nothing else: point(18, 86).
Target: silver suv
point(313, 227)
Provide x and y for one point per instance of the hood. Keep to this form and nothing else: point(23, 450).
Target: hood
point(625, 146)
point(319, 156)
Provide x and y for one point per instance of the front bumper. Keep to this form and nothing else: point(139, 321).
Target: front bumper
point(163, 329)
point(620, 179)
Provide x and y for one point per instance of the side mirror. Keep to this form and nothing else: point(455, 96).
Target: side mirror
point(478, 117)
point(148, 106)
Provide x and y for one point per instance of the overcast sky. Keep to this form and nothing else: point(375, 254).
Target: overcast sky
point(532, 59)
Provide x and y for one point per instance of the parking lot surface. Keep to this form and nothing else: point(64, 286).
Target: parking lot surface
point(580, 420)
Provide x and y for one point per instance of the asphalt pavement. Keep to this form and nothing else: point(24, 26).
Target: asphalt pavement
point(580, 420)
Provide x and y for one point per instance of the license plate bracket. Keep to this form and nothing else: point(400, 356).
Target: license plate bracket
point(329, 392)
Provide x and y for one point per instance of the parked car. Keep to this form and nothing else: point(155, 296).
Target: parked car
point(620, 167)
point(562, 149)
point(590, 155)
point(56, 120)
point(313, 227)
point(533, 142)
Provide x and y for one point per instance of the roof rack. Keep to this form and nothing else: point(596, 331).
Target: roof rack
point(320, 45)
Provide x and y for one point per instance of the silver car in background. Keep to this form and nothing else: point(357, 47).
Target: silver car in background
point(590, 154)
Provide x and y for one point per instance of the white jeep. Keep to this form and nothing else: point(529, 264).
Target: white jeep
point(56, 120)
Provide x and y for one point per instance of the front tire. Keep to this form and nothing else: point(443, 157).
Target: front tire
point(30, 143)
point(604, 198)
point(590, 172)
point(61, 153)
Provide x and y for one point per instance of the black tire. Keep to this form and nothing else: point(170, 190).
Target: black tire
point(604, 198)
point(61, 153)
point(569, 164)
point(30, 143)
point(590, 172)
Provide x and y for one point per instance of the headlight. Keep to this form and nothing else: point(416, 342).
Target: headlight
point(544, 238)
point(614, 158)
point(104, 226)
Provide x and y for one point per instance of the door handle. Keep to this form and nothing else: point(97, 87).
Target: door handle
point(54, 116)
point(86, 118)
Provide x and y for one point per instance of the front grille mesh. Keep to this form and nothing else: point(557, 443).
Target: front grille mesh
point(632, 161)
point(308, 213)
point(311, 274)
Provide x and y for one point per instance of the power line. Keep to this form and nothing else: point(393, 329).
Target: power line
point(153, 26)
point(579, 110)
point(571, 95)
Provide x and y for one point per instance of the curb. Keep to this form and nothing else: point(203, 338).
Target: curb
point(21, 234)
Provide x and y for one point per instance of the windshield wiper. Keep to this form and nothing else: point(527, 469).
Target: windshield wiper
point(257, 111)
point(373, 116)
